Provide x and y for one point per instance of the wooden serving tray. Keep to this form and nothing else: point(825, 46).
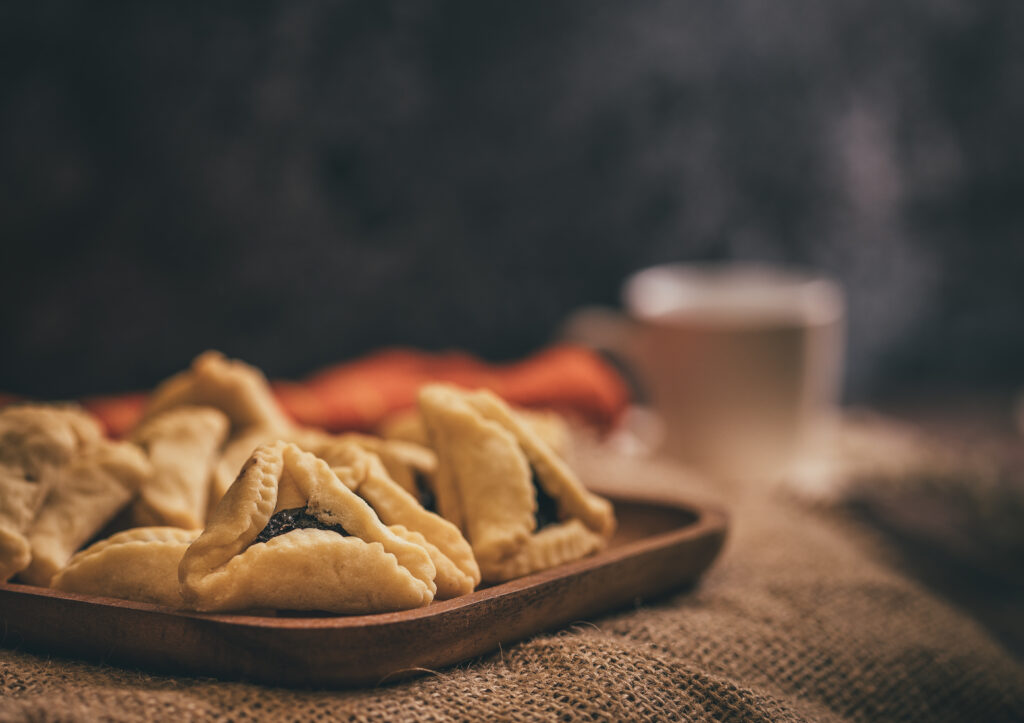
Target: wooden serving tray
point(661, 544)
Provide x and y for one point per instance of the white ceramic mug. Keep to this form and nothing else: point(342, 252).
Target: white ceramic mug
point(742, 363)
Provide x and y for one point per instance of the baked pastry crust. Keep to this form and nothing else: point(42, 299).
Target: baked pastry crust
point(234, 387)
point(86, 494)
point(235, 453)
point(239, 391)
point(488, 460)
point(34, 440)
point(369, 569)
point(364, 472)
point(38, 437)
point(550, 426)
point(183, 444)
point(39, 450)
point(139, 564)
point(404, 461)
point(19, 500)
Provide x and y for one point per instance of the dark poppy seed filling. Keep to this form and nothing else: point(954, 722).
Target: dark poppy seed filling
point(547, 506)
point(294, 519)
point(424, 493)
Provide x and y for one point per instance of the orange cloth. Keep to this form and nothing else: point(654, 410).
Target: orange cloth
point(357, 395)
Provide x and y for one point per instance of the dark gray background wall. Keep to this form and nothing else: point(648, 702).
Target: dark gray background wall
point(300, 182)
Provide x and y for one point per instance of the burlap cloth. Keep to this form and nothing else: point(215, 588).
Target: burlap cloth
point(804, 617)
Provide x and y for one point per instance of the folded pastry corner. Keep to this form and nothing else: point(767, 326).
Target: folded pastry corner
point(140, 564)
point(38, 437)
point(239, 390)
point(183, 445)
point(19, 500)
point(407, 463)
point(234, 454)
point(86, 494)
point(40, 469)
point(288, 534)
point(521, 506)
point(408, 426)
point(361, 469)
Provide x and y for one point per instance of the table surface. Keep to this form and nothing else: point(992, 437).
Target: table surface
point(935, 539)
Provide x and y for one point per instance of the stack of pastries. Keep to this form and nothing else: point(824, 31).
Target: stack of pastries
point(224, 504)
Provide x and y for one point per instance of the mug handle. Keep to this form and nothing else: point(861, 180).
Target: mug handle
point(608, 332)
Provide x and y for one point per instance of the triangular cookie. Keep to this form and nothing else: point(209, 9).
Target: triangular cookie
point(183, 444)
point(234, 387)
point(37, 445)
point(37, 437)
point(239, 391)
point(35, 441)
point(408, 464)
point(520, 505)
point(289, 535)
point(86, 494)
point(138, 564)
point(365, 474)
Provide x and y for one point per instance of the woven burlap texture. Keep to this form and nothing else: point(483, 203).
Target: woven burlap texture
point(802, 618)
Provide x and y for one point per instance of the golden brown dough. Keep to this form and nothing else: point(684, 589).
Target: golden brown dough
point(355, 565)
point(234, 454)
point(36, 437)
point(365, 474)
point(234, 387)
point(19, 500)
point(36, 442)
point(86, 494)
point(493, 469)
point(406, 425)
point(550, 426)
point(139, 564)
point(239, 391)
point(405, 462)
point(183, 444)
